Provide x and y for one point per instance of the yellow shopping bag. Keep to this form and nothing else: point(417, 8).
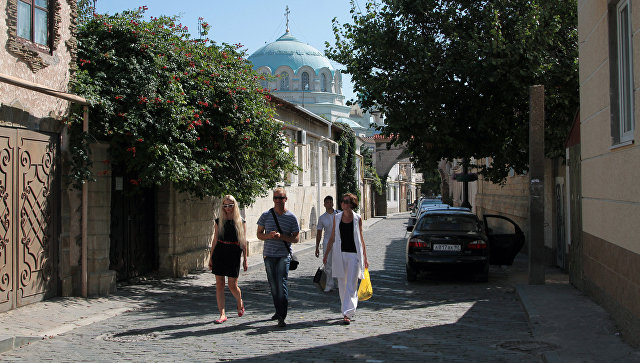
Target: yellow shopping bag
point(365, 291)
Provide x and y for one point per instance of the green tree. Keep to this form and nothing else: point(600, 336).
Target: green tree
point(86, 9)
point(177, 110)
point(430, 182)
point(452, 77)
point(346, 162)
point(369, 170)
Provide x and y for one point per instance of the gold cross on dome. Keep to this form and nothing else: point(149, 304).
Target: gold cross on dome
point(286, 13)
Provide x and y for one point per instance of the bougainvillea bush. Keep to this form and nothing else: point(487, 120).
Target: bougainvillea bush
point(180, 110)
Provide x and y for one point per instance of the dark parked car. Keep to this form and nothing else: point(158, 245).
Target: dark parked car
point(456, 240)
point(423, 205)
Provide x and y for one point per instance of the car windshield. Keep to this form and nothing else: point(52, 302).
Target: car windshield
point(458, 223)
point(430, 201)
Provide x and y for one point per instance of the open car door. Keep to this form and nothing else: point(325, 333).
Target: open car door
point(505, 239)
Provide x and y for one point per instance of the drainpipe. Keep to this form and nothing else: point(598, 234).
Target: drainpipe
point(85, 211)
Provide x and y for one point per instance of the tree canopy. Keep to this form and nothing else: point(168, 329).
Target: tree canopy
point(180, 110)
point(452, 77)
point(346, 162)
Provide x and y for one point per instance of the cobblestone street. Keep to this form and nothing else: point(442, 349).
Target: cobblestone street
point(434, 319)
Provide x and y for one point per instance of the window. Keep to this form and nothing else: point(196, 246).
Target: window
point(323, 80)
point(305, 81)
point(33, 21)
point(621, 70)
point(333, 171)
point(291, 150)
point(264, 82)
point(301, 164)
point(325, 165)
point(284, 81)
point(313, 155)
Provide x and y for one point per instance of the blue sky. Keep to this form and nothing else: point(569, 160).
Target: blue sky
point(252, 23)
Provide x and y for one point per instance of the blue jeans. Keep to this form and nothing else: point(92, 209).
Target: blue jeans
point(277, 273)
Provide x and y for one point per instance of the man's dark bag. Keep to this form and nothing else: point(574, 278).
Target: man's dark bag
point(293, 264)
point(318, 275)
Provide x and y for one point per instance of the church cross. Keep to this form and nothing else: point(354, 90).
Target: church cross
point(286, 13)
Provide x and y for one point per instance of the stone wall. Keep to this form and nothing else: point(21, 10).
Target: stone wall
point(184, 231)
point(512, 200)
point(101, 280)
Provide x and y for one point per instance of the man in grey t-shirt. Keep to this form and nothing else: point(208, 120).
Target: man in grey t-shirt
point(277, 250)
point(325, 223)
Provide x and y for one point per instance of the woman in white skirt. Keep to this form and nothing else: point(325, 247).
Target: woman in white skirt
point(348, 255)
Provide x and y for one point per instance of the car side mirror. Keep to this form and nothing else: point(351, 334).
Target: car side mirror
point(409, 228)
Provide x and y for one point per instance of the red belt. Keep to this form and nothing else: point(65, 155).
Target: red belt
point(228, 243)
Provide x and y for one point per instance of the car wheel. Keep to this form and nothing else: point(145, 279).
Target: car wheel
point(412, 275)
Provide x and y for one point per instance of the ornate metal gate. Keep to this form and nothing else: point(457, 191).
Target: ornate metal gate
point(29, 216)
point(133, 248)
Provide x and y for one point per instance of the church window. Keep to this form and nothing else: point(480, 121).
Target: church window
point(33, 21)
point(305, 81)
point(323, 79)
point(264, 82)
point(284, 81)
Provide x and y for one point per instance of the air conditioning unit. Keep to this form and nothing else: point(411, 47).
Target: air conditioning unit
point(333, 149)
point(301, 137)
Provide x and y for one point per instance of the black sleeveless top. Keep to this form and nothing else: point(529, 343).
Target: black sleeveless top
point(230, 234)
point(346, 236)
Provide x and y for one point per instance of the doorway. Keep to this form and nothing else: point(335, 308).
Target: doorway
point(133, 250)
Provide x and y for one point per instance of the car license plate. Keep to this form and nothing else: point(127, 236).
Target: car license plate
point(438, 247)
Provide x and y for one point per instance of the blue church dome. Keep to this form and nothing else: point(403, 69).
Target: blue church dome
point(289, 51)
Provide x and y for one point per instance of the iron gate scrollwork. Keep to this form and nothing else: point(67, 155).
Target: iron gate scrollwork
point(29, 216)
point(7, 290)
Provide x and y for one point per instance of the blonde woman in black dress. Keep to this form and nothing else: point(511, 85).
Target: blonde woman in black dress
point(229, 243)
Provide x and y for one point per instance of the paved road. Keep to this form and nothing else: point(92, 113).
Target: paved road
point(435, 319)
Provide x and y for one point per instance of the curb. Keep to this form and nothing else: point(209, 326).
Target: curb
point(10, 343)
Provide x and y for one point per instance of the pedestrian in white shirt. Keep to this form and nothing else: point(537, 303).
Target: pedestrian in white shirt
point(325, 224)
point(346, 248)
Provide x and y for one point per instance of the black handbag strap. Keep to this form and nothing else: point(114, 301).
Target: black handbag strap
point(275, 219)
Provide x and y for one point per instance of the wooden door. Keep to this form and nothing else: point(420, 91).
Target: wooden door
point(7, 224)
point(29, 215)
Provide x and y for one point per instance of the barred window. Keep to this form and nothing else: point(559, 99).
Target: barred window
point(284, 81)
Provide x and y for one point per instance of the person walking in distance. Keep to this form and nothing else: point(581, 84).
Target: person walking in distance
point(347, 250)
point(278, 228)
point(325, 225)
point(229, 242)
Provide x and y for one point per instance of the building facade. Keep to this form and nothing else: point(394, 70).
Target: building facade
point(40, 246)
point(609, 51)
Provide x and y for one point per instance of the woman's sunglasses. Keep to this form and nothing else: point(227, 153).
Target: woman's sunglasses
point(227, 205)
